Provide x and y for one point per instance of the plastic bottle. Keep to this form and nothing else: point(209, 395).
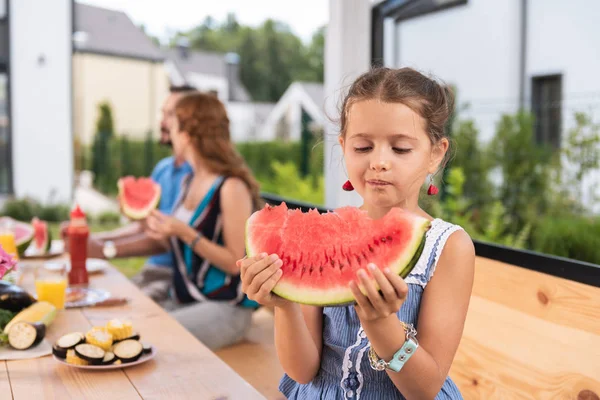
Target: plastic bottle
point(77, 233)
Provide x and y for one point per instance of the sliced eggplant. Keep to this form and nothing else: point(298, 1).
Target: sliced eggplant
point(70, 340)
point(25, 335)
point(89, 352)
point(135, 336)
point(59, 351)
point(128, 350)
point(147, 347)
point(109, 358)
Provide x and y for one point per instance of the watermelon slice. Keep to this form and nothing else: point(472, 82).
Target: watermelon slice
point(40, 244)
point(23, 233)
point(322, 253)
point(138, 197)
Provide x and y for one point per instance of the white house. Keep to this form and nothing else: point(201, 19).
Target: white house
point(285, 119)
point(36, 136)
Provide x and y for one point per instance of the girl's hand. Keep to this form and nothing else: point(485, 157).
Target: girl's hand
point(374, 305)
point(259, 276)
point(160, 226)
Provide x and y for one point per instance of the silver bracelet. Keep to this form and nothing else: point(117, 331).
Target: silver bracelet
point(196, 240)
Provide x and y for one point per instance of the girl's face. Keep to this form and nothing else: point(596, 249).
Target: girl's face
point(388, 153)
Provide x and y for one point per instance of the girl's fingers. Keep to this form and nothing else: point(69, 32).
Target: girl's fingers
point(389, 293)
point(399, 285)
point(256, 267)
point(373, 295)
point(362, 301)
point(255, 284)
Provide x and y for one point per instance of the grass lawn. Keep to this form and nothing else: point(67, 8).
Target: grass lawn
point(127, 266)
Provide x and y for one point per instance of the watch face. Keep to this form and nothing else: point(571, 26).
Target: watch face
point(109, 250)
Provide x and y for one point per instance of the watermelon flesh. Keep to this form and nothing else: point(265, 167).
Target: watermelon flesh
point(23, 231)
point(41, 238)
point(322, 253)
point(138, 197)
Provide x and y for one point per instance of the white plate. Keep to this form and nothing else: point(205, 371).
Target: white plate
point(142, 359)
point(92, 265)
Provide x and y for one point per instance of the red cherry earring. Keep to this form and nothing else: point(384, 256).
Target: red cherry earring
point(348, 186)
point(432, 190)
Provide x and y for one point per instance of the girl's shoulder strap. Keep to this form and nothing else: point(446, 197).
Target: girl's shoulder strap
point(435, 240)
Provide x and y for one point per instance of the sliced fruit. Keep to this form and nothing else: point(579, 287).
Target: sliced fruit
point(135, 336)
point(109, 358)
point(99, 336)
point(23, 233)
point(138, 196)
point(128, 350)
point(322, 253)
point(25, 335)
point(70, 340)
point(119, 329)
point(147, 347)
point(73, 359)
point(59, 351)
point(13, 297)
point(90, 353)
point(40, 311)
point(42, 239)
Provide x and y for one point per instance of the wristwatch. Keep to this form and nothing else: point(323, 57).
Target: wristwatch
point(401, 357)
point(109, 249)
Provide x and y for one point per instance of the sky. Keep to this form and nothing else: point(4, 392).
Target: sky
point(163, 18)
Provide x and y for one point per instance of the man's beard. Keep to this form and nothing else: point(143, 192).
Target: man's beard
point(165, 140)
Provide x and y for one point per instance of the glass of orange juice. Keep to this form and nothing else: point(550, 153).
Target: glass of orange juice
point(7, 241)
point(51, 285)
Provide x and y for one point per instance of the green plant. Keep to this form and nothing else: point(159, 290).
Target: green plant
point(108, 217)
point(526, 168)
point(571, 236)
point(288, 183)
point(25, 209)
point(492, 225)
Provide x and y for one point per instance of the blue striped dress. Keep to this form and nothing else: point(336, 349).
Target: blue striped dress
point(345, 371)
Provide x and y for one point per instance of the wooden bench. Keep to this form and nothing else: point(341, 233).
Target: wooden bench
point(528, 335)
point(255, 358)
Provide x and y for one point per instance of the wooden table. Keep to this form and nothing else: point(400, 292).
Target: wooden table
point(182, 368)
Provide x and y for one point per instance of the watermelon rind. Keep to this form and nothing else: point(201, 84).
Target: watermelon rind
point(343, 296)
point(22, 242)
point(33, 249)
point(137, 214)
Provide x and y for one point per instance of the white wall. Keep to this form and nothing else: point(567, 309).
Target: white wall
point(207, 83)
point(564, 38)
point(41, 98)
point(475, 47)
point(347, 55)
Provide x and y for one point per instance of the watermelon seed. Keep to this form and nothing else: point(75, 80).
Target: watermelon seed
point(310, 271)
point(332, 262)
point(371, 249)
point(383, 240)
point(389, 238)
point(321, 270)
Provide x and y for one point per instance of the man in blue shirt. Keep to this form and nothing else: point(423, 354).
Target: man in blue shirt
point(156, 275)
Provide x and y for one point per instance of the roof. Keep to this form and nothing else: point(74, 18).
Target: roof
point(315, 91)
point(208, 63)
point(111, 32)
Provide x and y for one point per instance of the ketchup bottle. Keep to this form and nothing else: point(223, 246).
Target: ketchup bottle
point(78, 232)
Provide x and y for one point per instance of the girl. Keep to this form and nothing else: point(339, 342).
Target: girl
point(206, 231)
point(392, 135)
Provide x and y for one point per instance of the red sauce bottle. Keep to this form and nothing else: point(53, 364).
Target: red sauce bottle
point(78, 232)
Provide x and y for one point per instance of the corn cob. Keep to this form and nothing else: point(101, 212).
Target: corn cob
point(119, 329)
point(99, 336)
point(73, 359)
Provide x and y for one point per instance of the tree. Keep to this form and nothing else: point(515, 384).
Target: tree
point(271, 56)
point(104, 124)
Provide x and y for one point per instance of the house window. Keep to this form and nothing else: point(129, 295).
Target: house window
point(546, 103)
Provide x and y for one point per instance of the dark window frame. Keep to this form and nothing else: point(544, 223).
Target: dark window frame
point(549, 131)
point(5, 68)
